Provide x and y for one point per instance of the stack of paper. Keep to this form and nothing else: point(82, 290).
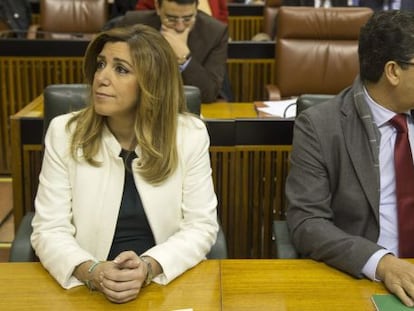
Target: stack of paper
point(279, 108)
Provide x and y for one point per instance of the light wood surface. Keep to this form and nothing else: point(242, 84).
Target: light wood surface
point(27, 286)
point(223, 110)
point(218, 110)
point(231, 284)
point(33, 110)
point(293, 285)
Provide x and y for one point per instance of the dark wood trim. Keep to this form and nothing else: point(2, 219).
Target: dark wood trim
point(69, 48)
point(242, 9)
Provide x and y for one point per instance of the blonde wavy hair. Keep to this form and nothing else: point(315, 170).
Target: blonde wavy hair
point(160, 100)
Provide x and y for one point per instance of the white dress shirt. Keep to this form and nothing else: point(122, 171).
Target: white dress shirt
point(388, 236)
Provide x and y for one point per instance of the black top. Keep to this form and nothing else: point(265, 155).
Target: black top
point(132, 229)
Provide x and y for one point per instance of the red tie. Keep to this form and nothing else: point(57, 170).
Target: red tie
point(404, 176)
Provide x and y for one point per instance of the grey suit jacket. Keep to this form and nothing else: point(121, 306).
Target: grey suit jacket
point(208, 45)
point(333, 184)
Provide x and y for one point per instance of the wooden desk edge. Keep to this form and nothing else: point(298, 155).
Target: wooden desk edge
point(33, 109)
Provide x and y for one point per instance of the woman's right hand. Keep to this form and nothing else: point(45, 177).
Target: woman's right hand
point(119, 282)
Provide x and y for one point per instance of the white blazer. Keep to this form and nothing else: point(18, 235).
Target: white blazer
point(77, 204)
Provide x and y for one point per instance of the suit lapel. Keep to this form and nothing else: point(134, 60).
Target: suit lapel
point(195, 38)
point(364, 153)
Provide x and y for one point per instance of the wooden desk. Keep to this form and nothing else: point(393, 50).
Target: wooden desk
point(292, 285)
point(227, 285)
point(27, 286)
point(249, 158)
point(228, 111)
point(26, 128)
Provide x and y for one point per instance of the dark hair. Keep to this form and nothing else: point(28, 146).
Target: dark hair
point(387, 36)
point(179, 1)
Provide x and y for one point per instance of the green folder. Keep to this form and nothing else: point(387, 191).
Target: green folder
point(388, 302)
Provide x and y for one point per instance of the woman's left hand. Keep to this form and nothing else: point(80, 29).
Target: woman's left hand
point(124, 279)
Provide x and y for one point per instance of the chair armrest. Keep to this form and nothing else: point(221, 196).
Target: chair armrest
point(272, 92)
point(219, 249)
point(21, 249)
point(284, 246)
point(32, 31)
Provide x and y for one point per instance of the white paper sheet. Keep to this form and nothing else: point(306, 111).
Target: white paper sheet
point(280, 108)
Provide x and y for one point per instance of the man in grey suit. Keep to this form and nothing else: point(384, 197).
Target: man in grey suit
point(341, 187)
point(199, 41)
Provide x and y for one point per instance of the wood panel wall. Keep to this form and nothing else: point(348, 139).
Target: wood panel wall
point(240, 27)
point(243, 28)
point(22, 79)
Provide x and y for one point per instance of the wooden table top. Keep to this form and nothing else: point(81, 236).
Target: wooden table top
point(292, 285)
point(219, 110)
point(223, 110)
point(27, 286)
point(231, 284)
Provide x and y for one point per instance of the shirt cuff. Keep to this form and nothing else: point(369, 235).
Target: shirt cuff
point(370, 268)
point(185, 64)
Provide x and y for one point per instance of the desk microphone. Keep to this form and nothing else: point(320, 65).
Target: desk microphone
point(287, 108)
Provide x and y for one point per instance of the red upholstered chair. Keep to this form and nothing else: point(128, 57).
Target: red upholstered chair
point(316, 50)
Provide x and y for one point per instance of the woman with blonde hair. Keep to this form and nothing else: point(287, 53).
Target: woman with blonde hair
point(125, 192)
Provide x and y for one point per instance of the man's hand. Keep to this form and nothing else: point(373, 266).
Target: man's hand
point(177, 40)
point(398, 276)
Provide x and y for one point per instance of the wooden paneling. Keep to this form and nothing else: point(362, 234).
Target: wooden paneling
point(32, 160)
point(249, 182)
point(22, 79)
point(240, 27)
point(249, 76)
point(243, 28)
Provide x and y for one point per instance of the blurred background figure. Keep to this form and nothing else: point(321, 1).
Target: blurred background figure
point(15, 17)
point(120, 7)
point(388, 4)
point(198, 40)
point(316, 3)
point(215, 8)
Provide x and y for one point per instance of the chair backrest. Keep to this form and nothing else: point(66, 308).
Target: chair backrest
point(193, 98)
point(305, 101)
point(317, 49)
point(283, 242)
point(270, 10)
point(71, 19)
point(21, 249)
point(64, 98)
